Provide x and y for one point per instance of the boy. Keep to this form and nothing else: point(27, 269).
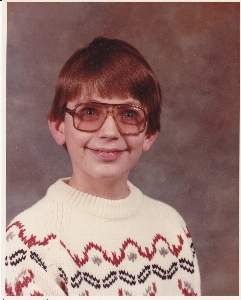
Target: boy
point(95, 233)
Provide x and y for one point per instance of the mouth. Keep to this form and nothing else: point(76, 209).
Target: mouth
point(107, 154)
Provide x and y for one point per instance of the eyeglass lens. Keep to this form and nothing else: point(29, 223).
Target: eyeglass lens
point(91, 116)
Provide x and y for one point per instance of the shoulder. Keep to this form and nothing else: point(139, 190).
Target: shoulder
point(164, 218)
point(162, 210)
point(156, 207)
point(40, 217)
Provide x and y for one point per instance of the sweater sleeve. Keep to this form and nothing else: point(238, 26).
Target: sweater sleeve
point(179, 251)
point(188, 262)
point(25, 273)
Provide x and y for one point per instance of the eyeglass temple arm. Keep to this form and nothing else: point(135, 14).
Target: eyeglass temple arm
point(69, 111)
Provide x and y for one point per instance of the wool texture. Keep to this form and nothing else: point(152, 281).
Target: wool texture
point(72, 243)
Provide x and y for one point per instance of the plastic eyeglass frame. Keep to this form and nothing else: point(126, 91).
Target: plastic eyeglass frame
point(113, 106)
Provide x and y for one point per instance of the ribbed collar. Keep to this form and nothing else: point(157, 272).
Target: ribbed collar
point(77, 200)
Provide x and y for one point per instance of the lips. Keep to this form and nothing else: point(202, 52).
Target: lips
point(107, 154)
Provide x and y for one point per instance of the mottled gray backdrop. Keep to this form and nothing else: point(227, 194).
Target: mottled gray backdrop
point(194, 50)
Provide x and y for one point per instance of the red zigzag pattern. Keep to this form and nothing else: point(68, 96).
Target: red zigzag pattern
point(30, 242)
point(115, 261)
point(175, 250)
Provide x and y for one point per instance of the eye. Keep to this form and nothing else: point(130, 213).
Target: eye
point(87, 111)
point(129, 114)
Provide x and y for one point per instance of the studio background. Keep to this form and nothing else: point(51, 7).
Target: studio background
point(193, 166)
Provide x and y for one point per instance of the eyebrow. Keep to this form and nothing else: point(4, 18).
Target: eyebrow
point(131, 102)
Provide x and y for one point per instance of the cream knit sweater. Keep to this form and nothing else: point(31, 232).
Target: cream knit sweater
point(72, 243)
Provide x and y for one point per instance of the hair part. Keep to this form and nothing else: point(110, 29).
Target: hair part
point(110, 68)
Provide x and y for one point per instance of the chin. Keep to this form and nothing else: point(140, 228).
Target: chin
point(111, 174)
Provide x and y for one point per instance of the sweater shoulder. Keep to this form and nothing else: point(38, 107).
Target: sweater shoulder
point(44, 209)
point(39, 219)
point(162, 210)
point(35, 211)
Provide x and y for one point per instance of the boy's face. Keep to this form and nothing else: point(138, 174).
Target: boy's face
point(104, 154)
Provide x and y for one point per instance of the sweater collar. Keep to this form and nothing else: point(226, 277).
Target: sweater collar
point(75, 199)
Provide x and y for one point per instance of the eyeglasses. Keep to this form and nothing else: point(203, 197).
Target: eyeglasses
point(90, 116)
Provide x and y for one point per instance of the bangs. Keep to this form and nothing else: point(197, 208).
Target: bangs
point(117, 77)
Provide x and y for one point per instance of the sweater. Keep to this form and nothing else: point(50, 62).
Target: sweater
point(71, 243)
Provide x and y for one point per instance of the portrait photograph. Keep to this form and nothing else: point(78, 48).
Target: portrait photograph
point(122, 149)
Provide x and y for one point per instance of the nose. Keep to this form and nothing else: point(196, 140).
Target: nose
point(109, 129)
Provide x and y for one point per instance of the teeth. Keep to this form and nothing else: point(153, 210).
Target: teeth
point(105, 152)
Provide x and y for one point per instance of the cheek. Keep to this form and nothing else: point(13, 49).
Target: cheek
point(135, 143)
point(75, 140)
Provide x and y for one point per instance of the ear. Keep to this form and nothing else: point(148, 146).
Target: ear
point(149, 140)
point(57, 130)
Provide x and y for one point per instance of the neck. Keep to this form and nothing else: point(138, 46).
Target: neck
point(113, 189)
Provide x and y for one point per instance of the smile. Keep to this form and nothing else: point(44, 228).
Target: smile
point(107, 154)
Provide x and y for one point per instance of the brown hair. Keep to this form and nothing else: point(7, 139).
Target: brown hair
point(112, 68)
